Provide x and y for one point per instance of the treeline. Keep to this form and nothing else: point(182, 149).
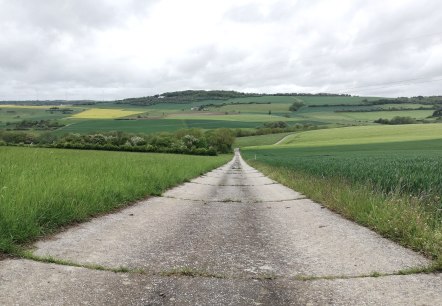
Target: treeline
point(396, 120)
point(390, 109)
point(321, 94)
point(187, 141)
point(34, 125)
point(431, 100)
point(275, 128)
point(201, 107)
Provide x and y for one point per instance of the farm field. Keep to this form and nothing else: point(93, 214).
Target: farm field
point(148, 125)
point(102, 113)
point(44, 189)
point(364, 135)
point(246, 112)
point(386, 177)
point(12, 114)
point(260, 140)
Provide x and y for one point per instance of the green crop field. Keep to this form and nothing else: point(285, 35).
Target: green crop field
point(43, 189)
point(386, 177)
point(232, 117)
point(413, 167)
point(149, 125)
point(404, 157)
point(364, 135)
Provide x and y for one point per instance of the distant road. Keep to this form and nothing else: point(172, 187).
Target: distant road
point(232, 236)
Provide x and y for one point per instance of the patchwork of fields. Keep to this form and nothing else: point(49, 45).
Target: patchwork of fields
point(248, 112)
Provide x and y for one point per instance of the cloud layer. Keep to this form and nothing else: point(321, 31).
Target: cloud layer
point(80, 49)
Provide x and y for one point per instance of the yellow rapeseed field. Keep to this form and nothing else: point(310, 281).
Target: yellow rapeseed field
point(104, 113)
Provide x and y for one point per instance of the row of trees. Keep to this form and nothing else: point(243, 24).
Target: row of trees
point(188, 141)
point(396, 120)
point(34, 124)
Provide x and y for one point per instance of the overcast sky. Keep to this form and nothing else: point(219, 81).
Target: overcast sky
point(108, 49)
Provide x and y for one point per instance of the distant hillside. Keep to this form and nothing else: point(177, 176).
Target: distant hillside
point(176, 97)
point(49, 102)
point(189, 96)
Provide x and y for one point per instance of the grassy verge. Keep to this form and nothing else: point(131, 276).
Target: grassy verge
point(403, 219)
point(42, 190)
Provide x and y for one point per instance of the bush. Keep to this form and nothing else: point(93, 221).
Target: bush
point(396, 120)
point(296, 106)
point(276, 124)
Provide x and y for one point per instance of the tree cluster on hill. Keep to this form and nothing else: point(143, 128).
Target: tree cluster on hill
point(431, 100)
point(187, 96)
point(188, 141)
point(396, 120)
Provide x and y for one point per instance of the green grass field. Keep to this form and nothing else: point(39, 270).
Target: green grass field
point(388, 178)
point(260, 140)
point(44, 189)
point(364, 135)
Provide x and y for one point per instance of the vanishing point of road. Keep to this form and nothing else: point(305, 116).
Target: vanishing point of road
point(230, 237)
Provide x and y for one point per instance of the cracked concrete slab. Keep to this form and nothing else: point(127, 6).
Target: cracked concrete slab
point(24, 282)
point(238, 224)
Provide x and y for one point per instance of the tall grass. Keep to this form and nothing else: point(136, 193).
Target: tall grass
point(43, 189)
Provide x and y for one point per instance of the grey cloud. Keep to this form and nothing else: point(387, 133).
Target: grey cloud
point(49, 48)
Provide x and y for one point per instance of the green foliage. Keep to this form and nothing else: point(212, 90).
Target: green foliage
point(396, 120)
point(431, 100)
point(296, 106)
point(276, 125)
point(36, 124)
point(437, 113)
point(44, 189)
point(188, 141)
point(221, 139)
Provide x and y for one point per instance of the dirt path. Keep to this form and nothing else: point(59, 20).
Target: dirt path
point(232, 236)
point(282, 139)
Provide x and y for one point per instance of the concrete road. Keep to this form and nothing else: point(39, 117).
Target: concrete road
point(232, 236)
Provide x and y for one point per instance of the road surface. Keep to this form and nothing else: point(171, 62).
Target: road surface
point(232, 236)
